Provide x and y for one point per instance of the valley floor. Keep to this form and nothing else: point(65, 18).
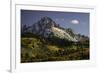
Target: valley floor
point(34, 50)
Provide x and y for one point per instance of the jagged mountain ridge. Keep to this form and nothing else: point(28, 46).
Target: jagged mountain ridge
point(46, 27)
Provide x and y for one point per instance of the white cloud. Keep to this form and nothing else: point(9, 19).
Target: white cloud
point(74, 21)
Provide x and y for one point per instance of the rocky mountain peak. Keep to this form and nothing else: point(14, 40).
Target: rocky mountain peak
point(47, 28)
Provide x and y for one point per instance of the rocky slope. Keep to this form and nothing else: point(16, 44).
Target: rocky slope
point(48, 28)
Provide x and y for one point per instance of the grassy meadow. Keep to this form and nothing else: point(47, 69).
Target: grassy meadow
point(37, 49)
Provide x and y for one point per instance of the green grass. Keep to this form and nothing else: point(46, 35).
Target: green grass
point(34, 49)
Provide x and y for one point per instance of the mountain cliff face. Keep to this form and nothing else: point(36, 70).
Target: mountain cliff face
point(47, 28)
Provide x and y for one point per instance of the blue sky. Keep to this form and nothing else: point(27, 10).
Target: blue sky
point(79, 22)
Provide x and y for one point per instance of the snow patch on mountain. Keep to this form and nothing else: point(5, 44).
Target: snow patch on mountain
point(62, 34)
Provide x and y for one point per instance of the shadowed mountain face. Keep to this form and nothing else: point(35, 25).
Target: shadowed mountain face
point(47, 28)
